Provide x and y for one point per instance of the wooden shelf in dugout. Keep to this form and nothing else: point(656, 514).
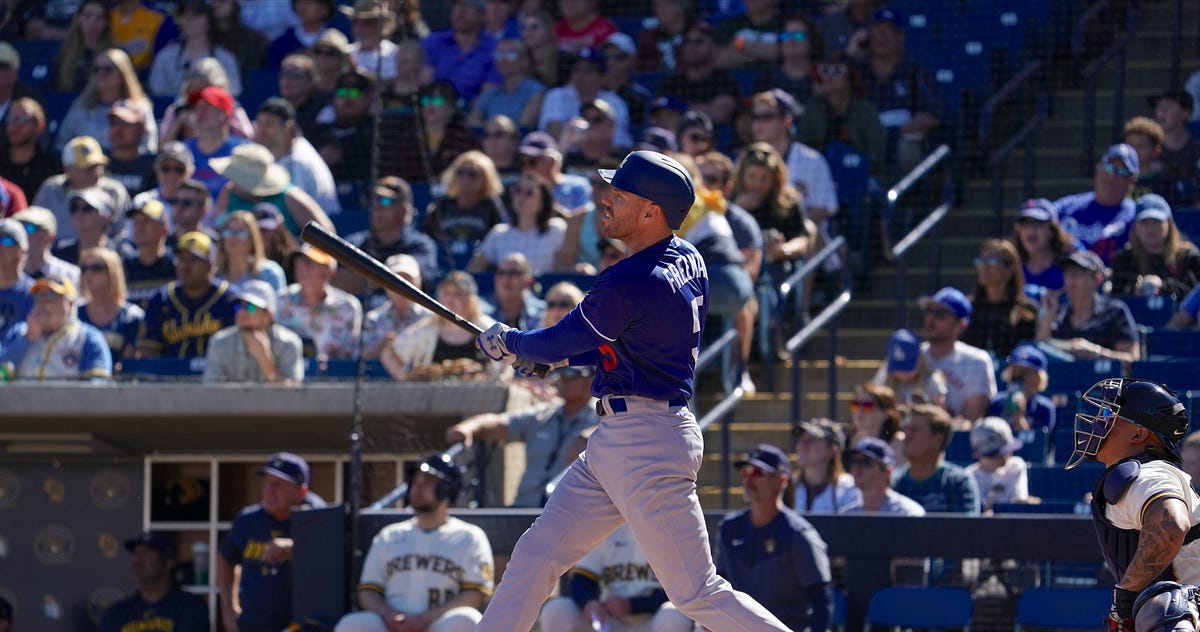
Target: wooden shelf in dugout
point(180, 492)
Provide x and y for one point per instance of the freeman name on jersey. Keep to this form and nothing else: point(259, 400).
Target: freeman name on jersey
point(685, 269)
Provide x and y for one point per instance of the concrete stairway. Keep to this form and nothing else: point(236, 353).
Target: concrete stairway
point(869, 320)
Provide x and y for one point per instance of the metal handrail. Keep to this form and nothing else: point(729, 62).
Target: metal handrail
point(723, 347)
point(795, 343)
point(918, 172)
point(795, 280)
point(1116, 49)
point(927, 225)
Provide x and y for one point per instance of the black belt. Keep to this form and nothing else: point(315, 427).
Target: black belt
point(619, 405)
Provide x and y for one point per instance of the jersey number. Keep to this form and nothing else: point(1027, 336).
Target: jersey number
point(439, 597)
point(696, 303)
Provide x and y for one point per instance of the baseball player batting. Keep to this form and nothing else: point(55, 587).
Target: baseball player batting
point(640, 325)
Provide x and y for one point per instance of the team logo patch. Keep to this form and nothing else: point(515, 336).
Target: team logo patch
point(70, 359)
point(109, 490)
point(100, 600)
point(485, 571)
point(10, 489)
point(109, 545)
point(54, 545)
point(769, 545)
point(55, 490)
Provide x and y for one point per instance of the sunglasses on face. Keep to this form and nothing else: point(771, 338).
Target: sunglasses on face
point(698, 138)
point(989, 260)
point(466, 173)
point(832, 70)
point(236, 233)
point(865, 405)
point(495, 134)
point(509, 273)
point(713, 178)
point(560, 305)
point(596, 120)
point(384, 200)
point(81, 208)
point(30, 229)
point(349, 93)
point(1117, 170)
point(243, 306)
point(506, 55)
point(98, 268)
point(938, 312)
point(859, 461)
point(433, 102)
point(764, 116)
point(294, 74)
point(44, 296)
point(8, 240)
point(188, 203)
point(176, 169)
point(749, 471)
point(793, 36)
point(20, 120)
point(103, 70)
point(326, 52)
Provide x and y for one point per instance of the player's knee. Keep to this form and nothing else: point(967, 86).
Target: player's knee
point(560, 613)
point(360, 622)
point(1166, 607)
point(670, 619)
point(462, 619)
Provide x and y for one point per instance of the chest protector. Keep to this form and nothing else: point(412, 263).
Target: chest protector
point(1117, 544)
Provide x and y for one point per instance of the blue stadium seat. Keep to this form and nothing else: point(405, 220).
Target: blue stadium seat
point(343, 369)
point(851, 171)
point(57, 104)
point(1044, 507)
point(1180, 374)
point(959, 449)
point(838, 621)
point(160, 105)
point(257, 86)
point(1187, 220)
point(916, 607)
point(648, 80)
point(544, 282)
point(1063, 608)
point(350, 221)
point(1002, 24)
point(1064, 438)
point(37, 61)
point(1150, 311)
point(350, 194)
point(1052, 482)
point(632, 24)
point(1173, 343)
point(1069, 377)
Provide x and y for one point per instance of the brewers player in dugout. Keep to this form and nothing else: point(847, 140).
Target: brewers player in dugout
point(640, 324)
point(1143, 507)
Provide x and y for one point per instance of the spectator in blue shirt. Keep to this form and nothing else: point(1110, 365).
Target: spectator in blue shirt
point(770, 552)
point(1101, 218)
point(1089, 325)
point(939, 486)
point(463, 53)
point(1022, 404)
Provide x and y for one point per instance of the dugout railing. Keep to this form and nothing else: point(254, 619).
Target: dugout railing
point(868, 543)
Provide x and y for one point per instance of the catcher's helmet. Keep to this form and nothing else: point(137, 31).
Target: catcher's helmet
point(441, 466)
point(1140, 402)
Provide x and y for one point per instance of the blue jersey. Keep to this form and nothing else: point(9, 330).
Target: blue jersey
point(265, 590)
point(640, 324)
point(15, 303)
point(1047, 280)
point(179, 326)
point(178, 611)
point(1102, 229)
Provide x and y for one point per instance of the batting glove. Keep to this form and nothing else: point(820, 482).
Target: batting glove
point(525, 367)
point(493, 345)
point(1120, 618)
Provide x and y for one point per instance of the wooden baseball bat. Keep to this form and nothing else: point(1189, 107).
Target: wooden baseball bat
point(371, 268)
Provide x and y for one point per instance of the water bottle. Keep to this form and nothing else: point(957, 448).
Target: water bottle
point(200, 563)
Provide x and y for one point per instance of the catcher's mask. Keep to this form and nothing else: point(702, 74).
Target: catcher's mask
point(1140, 402)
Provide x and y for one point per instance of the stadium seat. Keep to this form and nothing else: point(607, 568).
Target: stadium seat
point(1150, 311)
point(1187, 220)
point(1173, 343)
point(915, 607)
point(57, 104)
point(1052, 482)
point(1179, 374)
point(344, 369)
point(1044, 507)
point(959, 449)
point(1063, 608)
point(257, 86)
point(838, 621)
point(350, 221)
point(37, 61)
point(1071, 377)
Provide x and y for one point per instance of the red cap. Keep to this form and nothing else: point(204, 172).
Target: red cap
point(215, 96)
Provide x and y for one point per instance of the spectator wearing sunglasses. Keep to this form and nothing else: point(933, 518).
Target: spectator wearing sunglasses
point(1101, 218)
point(799, 48)
point(822, 483)
point(536, 233)
point(1088, 324)
point(459, 220)
point(15, 301)
point(873, 413)
point(390, 232)
point(418, 152)
point(871, 461)
point(91, 215)
point(346, 143)
point(83, 167)
point(275, 127)
point(41, 229)
point(384, 323)
point(838, 112)
point(513, 301)
point(906, 371)
point(24, 160)
point(699, 80)
point(255, 348)
point(52, 343)
point(518, 95)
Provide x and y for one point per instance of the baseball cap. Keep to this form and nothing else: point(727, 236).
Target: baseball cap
point(953, 299)
point(197, 243)
point(334, 39)
point(125, 111)
point(258, 293)
point(658, 178)
point(992, 436)
point(317, 255)
point(696, 118)
point(1039, 209)
point(1028, 355)
point(565, 372)
point(767, 458)
point(150, 208)
point(594, 56)
point(903, 351)
point(601, 106)
point(38, 216)
point(875, 449)
point(269, 217)
point(622, 42)
point(669, 103)
point(1153, 206)
point(9, 56)
point(658, 139)
point(287, 466)
point(888, 14)
point(13, 229)
point(83, 151)
point(94, 197)
point(355, 79)
point(156, 540)
point(215, 96)
point(1126, 154)
point(822, 428)
point(59, 285)
point(405, 264)
point(1085, 260)
point(785, 103)
point(280, 107)
point(537, 144)
point(177, 151)
point(1182, 97)
point(394, 187)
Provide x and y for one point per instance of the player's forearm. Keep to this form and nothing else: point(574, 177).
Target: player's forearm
point(1164, 525)
point(225, 585)
point(372, 601)
point(572, 335)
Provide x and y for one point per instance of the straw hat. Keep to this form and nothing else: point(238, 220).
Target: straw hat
point(252, 168)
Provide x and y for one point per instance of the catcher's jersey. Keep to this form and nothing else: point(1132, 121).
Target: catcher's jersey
point(619, 565)
point(1156, 480)
point(416, 570)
